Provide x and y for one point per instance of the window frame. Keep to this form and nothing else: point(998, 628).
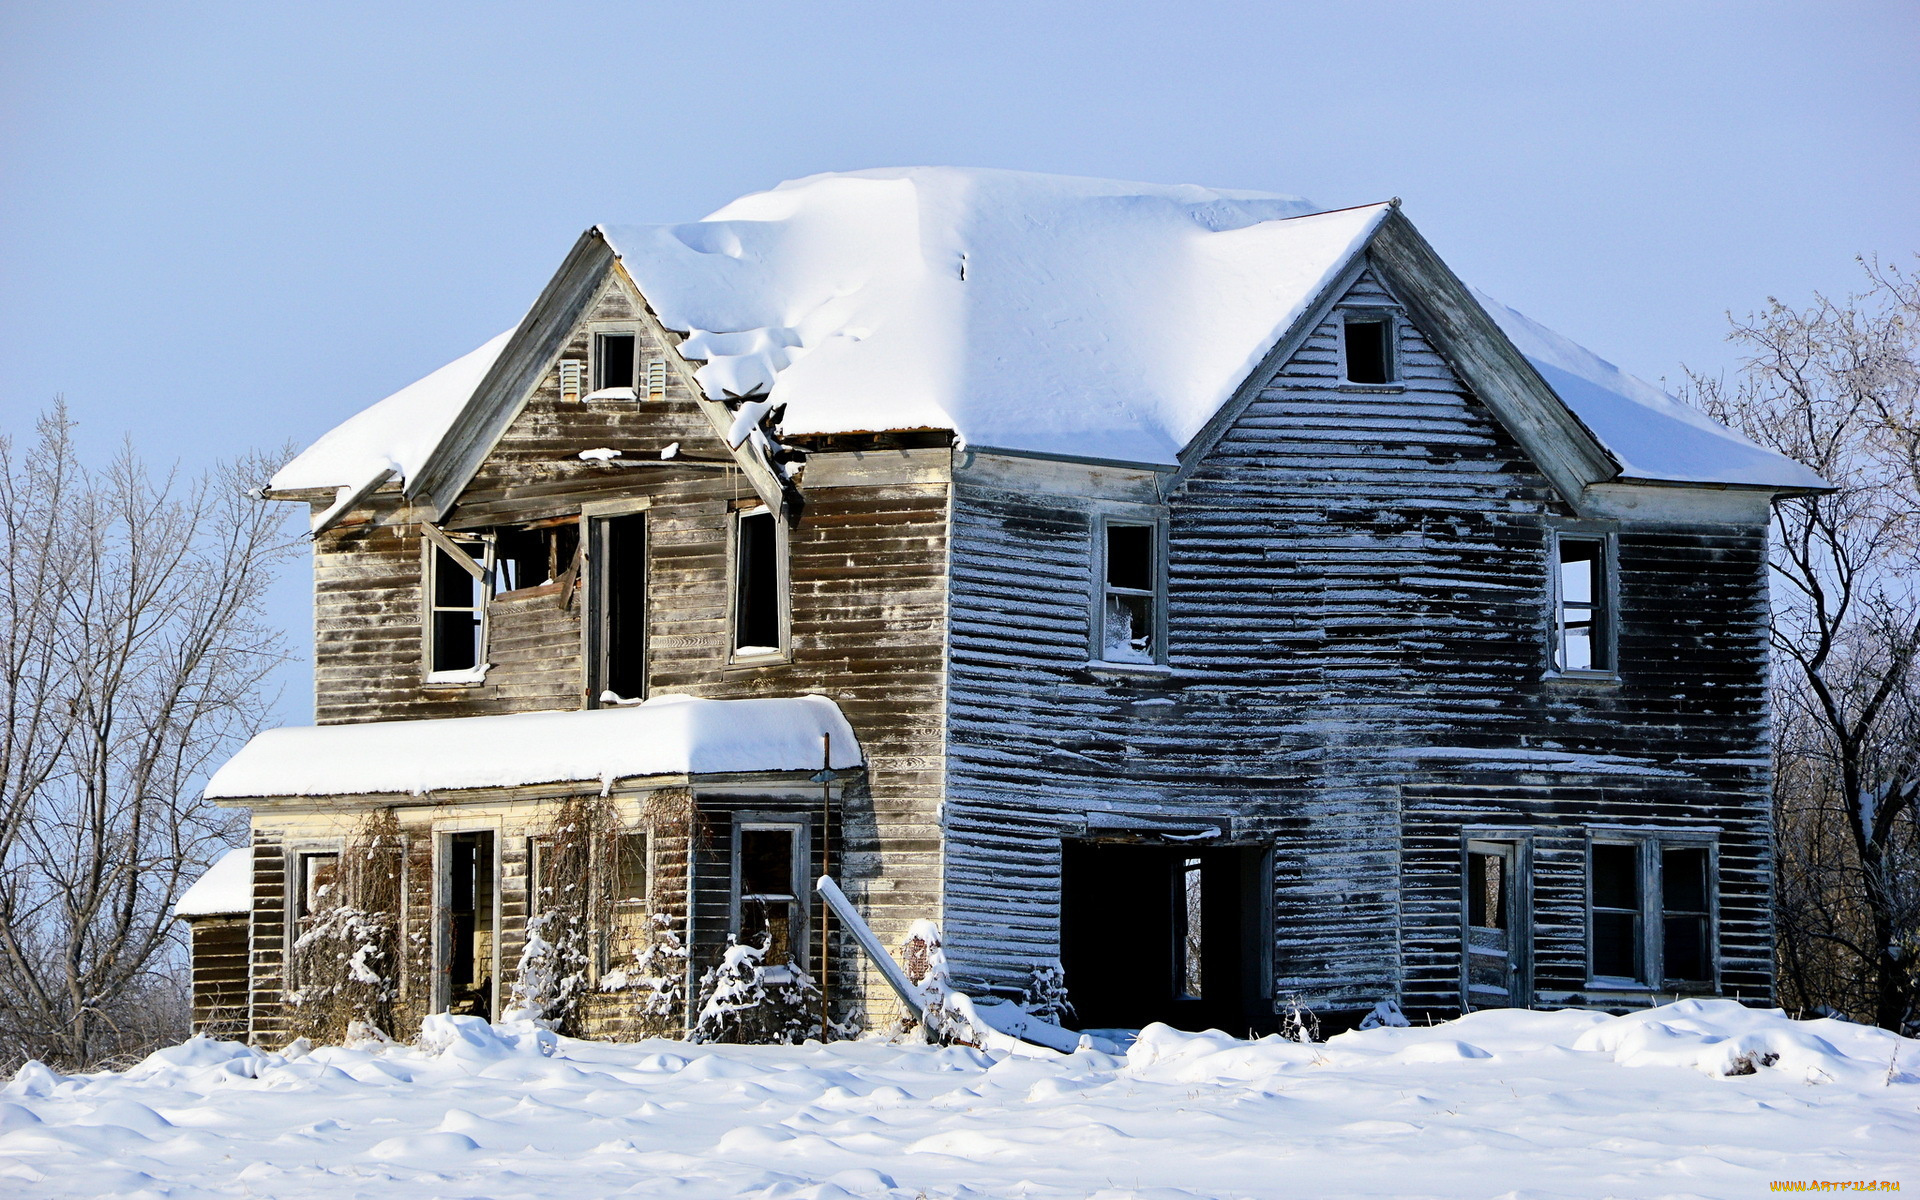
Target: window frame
point(1651, 950)
point(596, 387)
point(1605, 605)
point(1105, 519)
point(430, 551)
point(294, 893)
point(1363, 314)
point(783, 587)
point(801, 826)
point(592, 634)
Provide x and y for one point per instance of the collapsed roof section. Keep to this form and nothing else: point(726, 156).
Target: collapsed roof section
point(667, 735)
point(1035, 313)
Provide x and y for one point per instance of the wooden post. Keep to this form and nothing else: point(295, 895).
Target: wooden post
point(826, 866)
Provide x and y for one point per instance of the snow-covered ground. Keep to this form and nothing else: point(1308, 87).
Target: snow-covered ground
point(1520, 1103)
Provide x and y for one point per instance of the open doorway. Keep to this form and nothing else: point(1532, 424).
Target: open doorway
point(468, 887)
point(617, 625)
point(1495, 940)
point(1166, 933)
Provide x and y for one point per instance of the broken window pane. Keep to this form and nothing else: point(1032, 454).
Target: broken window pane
point(1487, 891)
point(613, 361)
point(1369, 350)
point(1615, 883)
point(756, 614)
point(526, 558)
point(1127, 616)
point(1582, 644)
point(1685, 918)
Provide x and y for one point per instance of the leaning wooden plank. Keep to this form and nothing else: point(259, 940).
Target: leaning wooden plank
point(454, 550)
point(843, 908)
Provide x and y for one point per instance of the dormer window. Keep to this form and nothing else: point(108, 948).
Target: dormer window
point(1367, 346)
point(614, 364)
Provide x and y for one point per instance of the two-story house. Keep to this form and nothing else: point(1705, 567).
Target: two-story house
point(1202, 593)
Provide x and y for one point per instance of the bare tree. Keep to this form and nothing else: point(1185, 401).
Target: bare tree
point(1836, 385)
point(133, 655)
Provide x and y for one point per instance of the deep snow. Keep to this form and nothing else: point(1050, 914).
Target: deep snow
point(1498, 1103)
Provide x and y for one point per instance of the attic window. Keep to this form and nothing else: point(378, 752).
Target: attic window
point(1582, 584)
point(613, 366)
point(1368, 343)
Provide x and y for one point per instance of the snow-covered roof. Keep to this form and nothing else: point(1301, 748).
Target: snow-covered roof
point(1031, 312)
point(397, 434)
point(226, 888)
point(667, 735)
point(1651, 434)
point(1043, 313)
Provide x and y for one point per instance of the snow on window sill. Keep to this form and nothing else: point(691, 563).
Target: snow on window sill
point(1583, 678)
point(1347, 385)
point(1104, 666)
point(466, 678)
point(756, 656)
point(613, 393)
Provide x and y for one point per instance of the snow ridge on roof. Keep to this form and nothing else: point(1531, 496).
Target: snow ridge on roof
point(1651, 434)
point(667, 735)
point(226, 888)
point(1030, 312)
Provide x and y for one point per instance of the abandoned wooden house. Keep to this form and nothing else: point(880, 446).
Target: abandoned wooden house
point(1194, 596)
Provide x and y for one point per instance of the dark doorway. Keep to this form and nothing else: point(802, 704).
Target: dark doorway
point(467, 934)
point(619, 570)
point(1165, 933)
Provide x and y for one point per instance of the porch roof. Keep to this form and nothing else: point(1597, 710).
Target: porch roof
point(667, 735)
point(226, 888)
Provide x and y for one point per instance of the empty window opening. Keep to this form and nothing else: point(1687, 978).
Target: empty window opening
point(467, 930)
point(456, 627)
point(769, 898)
point(1189, 942)
point(630, 869)
point(533, 556)
point(1495, 945)
point(619, 653)
point(1616, 910)
point(1369, 349)
point(1583, 641)
point(756, 599)
point(613, 362)
point(318, 872)
point(1128, 615)
point(1685, 917)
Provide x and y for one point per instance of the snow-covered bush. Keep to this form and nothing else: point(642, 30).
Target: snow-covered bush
point(1385, 1015)
point(570, 912)
point(1045, 995)
point(745, 1000)
point(1297, 1022)
point(345, 957)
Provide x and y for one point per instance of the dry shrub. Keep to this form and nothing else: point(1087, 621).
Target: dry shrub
point(345, 960)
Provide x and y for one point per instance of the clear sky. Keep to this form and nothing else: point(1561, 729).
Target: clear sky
point(225, 226)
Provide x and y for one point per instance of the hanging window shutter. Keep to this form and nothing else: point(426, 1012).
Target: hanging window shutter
point(571, 372)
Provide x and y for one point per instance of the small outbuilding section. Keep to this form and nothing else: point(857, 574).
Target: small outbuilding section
point(216, 910)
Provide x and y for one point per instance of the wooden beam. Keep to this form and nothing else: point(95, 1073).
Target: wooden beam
point(454, 549)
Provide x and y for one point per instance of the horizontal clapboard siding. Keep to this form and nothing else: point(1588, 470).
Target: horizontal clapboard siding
point(1357, 604)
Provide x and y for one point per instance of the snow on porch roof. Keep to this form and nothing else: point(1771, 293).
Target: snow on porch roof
point(667, 735)
point(226, 888)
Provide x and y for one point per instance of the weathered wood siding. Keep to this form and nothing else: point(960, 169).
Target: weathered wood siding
point(1357, 608)
point(219, 965)
point(867, 564)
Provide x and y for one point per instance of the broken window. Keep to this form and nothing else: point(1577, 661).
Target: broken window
point(1368, 342)
point(1584, 640)
point(613, 364)
point(757, 591)
point(768, 899)
point(1129, 616)
point(619, 619)
point(1651, 911)
point(534, 555)
point(318, 873)
point(456, 607)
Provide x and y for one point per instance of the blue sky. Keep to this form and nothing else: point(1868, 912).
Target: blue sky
point(229, 226)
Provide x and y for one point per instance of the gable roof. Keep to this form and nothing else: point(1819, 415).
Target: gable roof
point(1038, 313)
